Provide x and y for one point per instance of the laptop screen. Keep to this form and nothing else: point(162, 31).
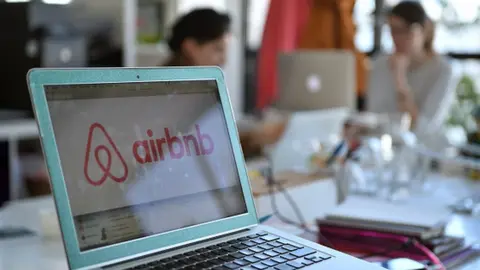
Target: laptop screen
point(140, 159)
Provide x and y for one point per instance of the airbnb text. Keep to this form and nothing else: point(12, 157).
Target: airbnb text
point(170, 146)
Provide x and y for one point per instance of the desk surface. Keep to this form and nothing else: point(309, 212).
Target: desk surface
point(39, 253)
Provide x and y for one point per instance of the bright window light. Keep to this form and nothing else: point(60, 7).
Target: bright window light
point(57, 2)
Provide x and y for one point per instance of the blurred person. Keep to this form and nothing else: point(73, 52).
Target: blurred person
point(199, 38)
point(413, 79)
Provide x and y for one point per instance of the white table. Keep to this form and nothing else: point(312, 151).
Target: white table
point(39, 253)
point(33, 252)
point(12, 131)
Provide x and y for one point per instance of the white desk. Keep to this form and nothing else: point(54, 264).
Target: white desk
point(13, 131)
point(33, 252)
point(36, 253)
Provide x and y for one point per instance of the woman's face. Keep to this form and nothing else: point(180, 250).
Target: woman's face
point(408, 39)
point(211, 53)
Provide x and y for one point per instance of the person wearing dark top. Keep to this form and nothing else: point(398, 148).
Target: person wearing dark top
point(199, 38)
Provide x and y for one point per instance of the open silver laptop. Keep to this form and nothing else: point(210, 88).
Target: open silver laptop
point(313, 80)
point(147, 173)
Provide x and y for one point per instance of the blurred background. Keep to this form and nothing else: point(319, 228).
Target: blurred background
point(129, 33)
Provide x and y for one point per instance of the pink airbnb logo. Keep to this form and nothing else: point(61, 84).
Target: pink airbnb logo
point(107, 166)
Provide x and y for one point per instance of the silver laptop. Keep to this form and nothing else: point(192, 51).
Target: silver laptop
point(313, 80)
point(147, 172)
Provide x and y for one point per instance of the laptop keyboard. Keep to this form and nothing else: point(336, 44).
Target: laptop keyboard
point(254, 252)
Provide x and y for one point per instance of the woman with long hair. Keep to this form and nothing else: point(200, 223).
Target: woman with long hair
point(413, 79)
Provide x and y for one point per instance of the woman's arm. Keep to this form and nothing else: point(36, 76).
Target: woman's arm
point(399, 64)
point(434, 110)
point(406, 100)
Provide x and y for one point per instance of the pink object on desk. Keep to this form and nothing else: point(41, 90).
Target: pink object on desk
point(354, 239)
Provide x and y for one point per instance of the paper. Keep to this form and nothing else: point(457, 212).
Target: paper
point(405, 213)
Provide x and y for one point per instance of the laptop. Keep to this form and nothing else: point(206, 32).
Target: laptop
point(147, 172)
point(314, 80)
point(320, 130)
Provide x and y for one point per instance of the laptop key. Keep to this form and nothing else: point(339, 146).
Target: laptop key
point(269, 237)
point(241, 262)
point(307, 263)
point(302, 252)
point(265, 246)
point(251, 259)
point(258, 241)
point(239, 246)
point(269, 263)
point(288, 257)
point(256, 249)
point(249, 244)
point(219, 252)
point(262, 233)
point(229, 249)
point(280, 250)
point(261, 256)
point(231, 266)
point(283, 267)
point(295, 264)
point(289, 247)
point(216, 262)
point(246, 252)
point(275, 244)
point(279, 260)
point(271, 253)
point(259, 266)
point(225, 258)
point(237, 255)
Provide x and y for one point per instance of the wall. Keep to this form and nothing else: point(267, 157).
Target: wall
point(107, 9)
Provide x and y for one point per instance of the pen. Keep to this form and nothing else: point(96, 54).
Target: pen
point(264, 218)
point(335, 153)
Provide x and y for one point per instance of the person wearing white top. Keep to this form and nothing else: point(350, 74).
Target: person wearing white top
point(414, 79)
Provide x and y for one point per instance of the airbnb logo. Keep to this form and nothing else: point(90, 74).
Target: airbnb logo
point(147, 151)
point(105, 168)
point(152, 150)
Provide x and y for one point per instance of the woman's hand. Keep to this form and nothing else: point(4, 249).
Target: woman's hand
point(400, 63)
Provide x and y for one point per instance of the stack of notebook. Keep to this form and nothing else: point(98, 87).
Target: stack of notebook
point(365, 225)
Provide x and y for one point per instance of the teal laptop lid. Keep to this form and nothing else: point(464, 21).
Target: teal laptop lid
point(140, 160)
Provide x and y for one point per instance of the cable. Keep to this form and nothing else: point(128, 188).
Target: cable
point(272, 183)
point(409, 243)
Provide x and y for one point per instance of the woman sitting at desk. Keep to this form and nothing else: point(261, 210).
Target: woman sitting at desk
point(414, 79)
point(199, 38)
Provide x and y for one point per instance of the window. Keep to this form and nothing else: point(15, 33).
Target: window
point(256, 17)
point(364, 20)
point(457, 25)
